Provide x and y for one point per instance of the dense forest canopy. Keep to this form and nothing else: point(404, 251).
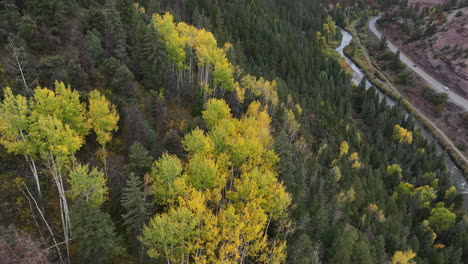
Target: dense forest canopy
point(206, 131)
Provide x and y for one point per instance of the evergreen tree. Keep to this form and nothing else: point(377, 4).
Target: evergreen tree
point(139, 160)
point(395, 64)
point(94, 44)
point(9, 17)
point(383, 43)
point(115, 35)
point(134, 201)
point(152, 62)
point(94, 233)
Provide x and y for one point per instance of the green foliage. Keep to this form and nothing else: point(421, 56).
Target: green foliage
point(403, 77)
point(88, 186)
point(165, 171)
point(434, 97)
point(175, 44)
point(135, 204)
point(383, 43)
point(170, 234)
point(94, 234)
point(9, 17)
point(103, 117)
point(224, 198)
point(216, 111)
point(395, 63)
point(139, 160)
point(115, 35)
point(27, 27)
point(94, 44)
point(49, 12)
point(228, 187)
point(442, 219)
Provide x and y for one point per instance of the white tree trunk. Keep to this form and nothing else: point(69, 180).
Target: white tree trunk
point(46, 223)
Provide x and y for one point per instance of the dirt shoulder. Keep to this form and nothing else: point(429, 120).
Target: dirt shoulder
point(447, 120)
point(443, 54)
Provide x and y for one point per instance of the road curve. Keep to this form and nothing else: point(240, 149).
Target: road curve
point(433, 83)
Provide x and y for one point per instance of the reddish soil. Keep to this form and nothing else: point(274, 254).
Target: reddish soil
point(424, 3)
point(448, 119)
point(436, 53)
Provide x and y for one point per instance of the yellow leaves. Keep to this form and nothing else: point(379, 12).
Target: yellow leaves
point(175, 44)
point(262, 87)
point(13, 122)
point(336, 173)
point(439, 246)
point(209, 56)
point(240, 92)
point(52, 137)
point(405, 187)
point(171, 234)
point(292, 125)
point(403, 257)
point(88, 185)
point(166, 172)
point(394, 168)
point(64, 104)
point(103, 117)
point(140, 9)
point(51, 125)
point(299, 109)
point(354, 159)
point(426, 194)
point(216, 110)
point(202, 172)
point(230, 187)
point(402, 135)
point(196, 142)
point(346, 197)
point(450, 193)
point(344, 148)
point(326, 28)
point(377, 213)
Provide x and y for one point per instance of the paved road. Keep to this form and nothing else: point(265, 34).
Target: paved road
point(439, 87)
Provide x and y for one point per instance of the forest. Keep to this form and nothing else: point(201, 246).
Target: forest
point(204, 131)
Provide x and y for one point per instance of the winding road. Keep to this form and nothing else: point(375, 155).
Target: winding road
point(439, 87)
point(456, 174)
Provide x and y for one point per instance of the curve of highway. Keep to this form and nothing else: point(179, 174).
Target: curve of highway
point(439, 87)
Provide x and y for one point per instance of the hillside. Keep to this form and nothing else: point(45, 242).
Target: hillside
point(437, 40)
point(206, 131)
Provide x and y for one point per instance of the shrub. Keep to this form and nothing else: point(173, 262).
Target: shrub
point(434, 97)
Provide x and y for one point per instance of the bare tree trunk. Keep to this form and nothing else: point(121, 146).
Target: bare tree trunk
point(46, 223)
point(104, 151)
point(32, 166)
point(18, 63)
point(65, 214)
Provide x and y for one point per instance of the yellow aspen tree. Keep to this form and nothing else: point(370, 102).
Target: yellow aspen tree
point(103, 118)
point(87, 185)
point(402, 135)
point(231, 192)
point(344, 148)
point(403, 257)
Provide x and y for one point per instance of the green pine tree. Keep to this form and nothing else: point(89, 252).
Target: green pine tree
point(135, 204)
point(94, 234)
point(139, 160)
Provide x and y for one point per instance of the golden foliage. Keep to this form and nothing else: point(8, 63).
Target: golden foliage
point(402, 135)
point(403, 257)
